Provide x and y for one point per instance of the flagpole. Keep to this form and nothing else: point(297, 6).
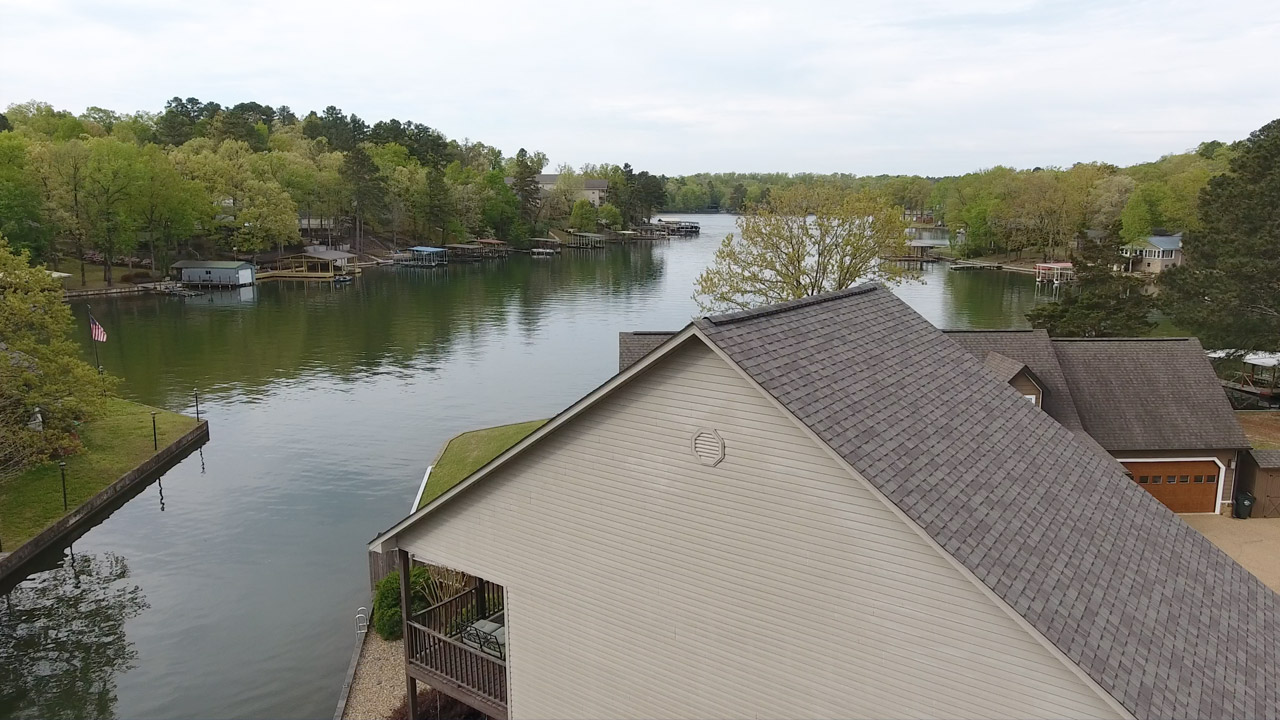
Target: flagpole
point(93, 341)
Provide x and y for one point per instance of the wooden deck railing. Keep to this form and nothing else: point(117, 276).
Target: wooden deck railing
point(469, 669)
point(433, 646)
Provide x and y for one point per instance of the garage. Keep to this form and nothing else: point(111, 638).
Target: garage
point(1184, 486)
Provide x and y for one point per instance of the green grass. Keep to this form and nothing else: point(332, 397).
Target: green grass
point(469, 452)
point(115, 442)
point(92, 275)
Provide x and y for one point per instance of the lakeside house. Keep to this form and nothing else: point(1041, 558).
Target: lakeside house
point(828, 508)
point(1155, 405)
point(215, 273)
point(593, 190)
point(1154, 254)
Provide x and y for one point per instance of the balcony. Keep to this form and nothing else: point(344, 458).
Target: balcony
point(459, 647)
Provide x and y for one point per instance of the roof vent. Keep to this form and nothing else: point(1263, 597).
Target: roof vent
point(708, 447)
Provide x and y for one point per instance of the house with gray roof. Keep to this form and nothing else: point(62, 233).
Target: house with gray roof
point(826, 508)
point(1154, 254)
point(1153, 404)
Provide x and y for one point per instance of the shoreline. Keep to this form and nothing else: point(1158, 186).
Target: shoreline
point(17, 563)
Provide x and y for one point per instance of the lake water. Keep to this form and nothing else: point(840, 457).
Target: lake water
point(228, 589)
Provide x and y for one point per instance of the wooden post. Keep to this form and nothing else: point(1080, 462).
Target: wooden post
point(482, 605)
point(406, 607)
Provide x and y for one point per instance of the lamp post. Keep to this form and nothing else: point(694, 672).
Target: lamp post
point(62, 465)
point(155, 437)
point(197, 392)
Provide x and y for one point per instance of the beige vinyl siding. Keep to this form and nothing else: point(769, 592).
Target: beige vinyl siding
point(642, 583)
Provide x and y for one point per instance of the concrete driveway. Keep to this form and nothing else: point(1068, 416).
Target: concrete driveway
point(1254, 543)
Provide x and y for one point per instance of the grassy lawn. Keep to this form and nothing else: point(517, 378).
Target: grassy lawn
point(469, 452)
point(114, 443)
point(92, 274)
point(1262, 427)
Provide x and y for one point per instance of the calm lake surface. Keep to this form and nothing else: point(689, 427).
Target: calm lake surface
point(228, 589)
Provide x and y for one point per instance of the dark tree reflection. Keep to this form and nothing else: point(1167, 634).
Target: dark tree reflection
point(62, 639)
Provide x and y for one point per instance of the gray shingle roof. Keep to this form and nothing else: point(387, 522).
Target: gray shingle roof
point(1148, 394)
point(1004, 367)
point(1034, 349)
point(1266, 459)
point(1156, 614)
point(634, 345)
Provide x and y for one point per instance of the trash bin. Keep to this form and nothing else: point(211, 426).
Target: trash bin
point(1244, 505)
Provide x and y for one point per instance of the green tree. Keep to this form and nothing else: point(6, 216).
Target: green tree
point(524, 183)
point(20, 199)
point(368, 190)
point(1101, 302)
point(63, 169)
point(40, 366)
point(584, 216)
point(109, 199)
point(781, 253)
point(169, 208)
point(611, 216)
point(501, 207)
point(1227, 291)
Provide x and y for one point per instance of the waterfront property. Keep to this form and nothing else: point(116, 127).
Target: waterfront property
point(1252, 373)
point(826, 508)
point(214, 273)
point(1155, 405)
point(491, 248)
point(1153, 254)
point(464, 252)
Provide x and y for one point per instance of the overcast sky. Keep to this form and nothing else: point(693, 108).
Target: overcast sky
point(867, 87)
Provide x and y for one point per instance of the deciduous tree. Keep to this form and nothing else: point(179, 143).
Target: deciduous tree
point(1101, 302)
point(807, 239)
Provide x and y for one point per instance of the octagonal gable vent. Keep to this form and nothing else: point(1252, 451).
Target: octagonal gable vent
point(708, 447)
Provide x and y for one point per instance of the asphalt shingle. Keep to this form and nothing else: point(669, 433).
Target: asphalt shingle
point(1159, 617)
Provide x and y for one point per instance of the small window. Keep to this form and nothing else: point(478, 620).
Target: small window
point(208, 272)
point(1032, 399)
point(1155, 479)
point(1211, 478)
point(1184, 478)
point(1198, 478)
point(1143, 479)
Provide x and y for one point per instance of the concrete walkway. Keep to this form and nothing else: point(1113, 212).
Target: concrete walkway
point(1253, 543)
point(378, 685)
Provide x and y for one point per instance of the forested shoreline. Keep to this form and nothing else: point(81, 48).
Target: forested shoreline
point(199, 177)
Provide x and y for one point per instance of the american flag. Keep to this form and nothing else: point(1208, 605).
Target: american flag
point(95, 330)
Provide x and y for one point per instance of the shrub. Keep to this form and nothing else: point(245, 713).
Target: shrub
point(140, 276)
point(435, 705)
point(386, 601)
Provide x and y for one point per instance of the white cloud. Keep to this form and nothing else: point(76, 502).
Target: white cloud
point(868, 87)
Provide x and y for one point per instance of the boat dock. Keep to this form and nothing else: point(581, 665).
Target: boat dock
point(421, 256)
point(973, 265)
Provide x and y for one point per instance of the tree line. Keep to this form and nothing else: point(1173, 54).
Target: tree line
point(201, 177)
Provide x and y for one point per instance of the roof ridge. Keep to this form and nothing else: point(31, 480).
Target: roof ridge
point(650, 332)
point(1122, 339)
point(787, 305)
point(996, 330)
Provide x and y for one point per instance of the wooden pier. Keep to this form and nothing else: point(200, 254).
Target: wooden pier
point(973, 265)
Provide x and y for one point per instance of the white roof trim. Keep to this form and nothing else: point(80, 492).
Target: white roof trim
point(385, 540)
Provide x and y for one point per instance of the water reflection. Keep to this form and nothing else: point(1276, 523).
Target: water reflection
point(62, 639)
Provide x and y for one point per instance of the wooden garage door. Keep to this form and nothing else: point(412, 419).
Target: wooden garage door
point(1185, 486)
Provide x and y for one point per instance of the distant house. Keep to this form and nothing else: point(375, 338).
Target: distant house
point(221, 273)
point(592, 189)
point(1154, 254)
point(825, 508)
point(1155, 405)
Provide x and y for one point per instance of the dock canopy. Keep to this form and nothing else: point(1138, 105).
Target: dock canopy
point(491, 241)
point(425, 249)
point(335, 255)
